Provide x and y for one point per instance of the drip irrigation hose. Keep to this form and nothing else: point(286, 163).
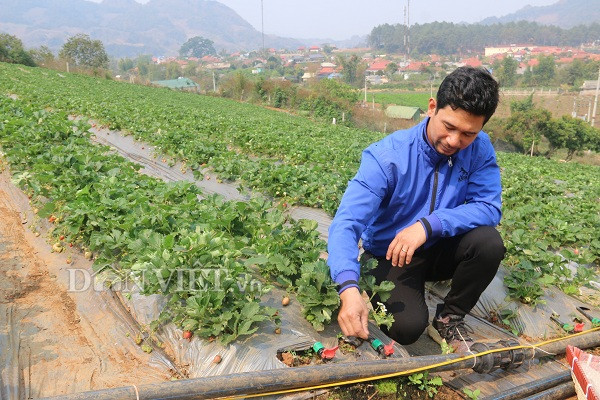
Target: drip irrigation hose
point(289, 380)
point(531, 388)
point(562, 391)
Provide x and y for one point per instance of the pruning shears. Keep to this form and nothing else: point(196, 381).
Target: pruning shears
point(585, 311)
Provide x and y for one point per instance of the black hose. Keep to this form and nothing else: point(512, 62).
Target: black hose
point(267, 382)
point(560, 392)
point(534, 387)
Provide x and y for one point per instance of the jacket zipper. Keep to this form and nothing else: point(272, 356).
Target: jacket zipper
point(435, 185)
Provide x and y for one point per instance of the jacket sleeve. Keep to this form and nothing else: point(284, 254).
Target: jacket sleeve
point(360, 202)
point(482, 206)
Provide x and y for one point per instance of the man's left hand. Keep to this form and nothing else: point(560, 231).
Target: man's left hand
point(404, 245)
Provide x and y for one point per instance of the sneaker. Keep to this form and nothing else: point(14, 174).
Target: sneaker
point(453, 329)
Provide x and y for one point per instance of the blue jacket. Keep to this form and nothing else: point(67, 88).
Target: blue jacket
point(402, 179)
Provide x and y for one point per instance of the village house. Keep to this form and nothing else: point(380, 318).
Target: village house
point(180, 83)
point(403, 112)
point(508, 49)
point(378, 66)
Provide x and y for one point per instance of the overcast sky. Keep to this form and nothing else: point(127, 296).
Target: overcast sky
point(341, 19)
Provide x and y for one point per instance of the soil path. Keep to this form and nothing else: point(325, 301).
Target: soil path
point(54, 340)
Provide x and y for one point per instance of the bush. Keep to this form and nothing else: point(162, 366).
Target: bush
point(12, 51)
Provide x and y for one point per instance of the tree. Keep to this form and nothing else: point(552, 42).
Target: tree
point(507, 75)
point(173, 71)
point(391, 68)
point(449, 38)
point(574, 135)
point(125, 64)
point(579, 70)
point(190, 69)
point(575, 72)
point(82, 51)
point(528, 77)
point(237, 85)
point(12, 51)
point(42, 55)
point(546, 69)
point(352, 71)
point(273, 62)
point(327, 49)
point(527, 124)
point(197, 47)
point(523, 105)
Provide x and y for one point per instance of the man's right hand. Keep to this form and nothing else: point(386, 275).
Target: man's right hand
point(353, 315)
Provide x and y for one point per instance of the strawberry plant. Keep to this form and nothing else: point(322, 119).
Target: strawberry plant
point(382, 291)
point(317, 293)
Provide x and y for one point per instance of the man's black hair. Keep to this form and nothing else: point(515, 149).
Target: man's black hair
point(471, 89)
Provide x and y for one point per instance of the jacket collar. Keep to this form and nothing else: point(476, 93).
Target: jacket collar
point(431, 154)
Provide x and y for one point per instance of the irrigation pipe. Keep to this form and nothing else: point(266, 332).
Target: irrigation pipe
point(534, 387)
point(288, 380)
point(562, 391)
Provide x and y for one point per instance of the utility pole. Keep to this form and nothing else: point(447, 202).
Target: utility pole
point(262, 16)
point(408, 28)
point(596, 99)
point(365, 91)
point(405, 28)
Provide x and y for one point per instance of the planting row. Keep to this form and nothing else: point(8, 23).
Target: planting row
point(551, 210)
point(550, 225)
point(198, 253)
point(278, 154)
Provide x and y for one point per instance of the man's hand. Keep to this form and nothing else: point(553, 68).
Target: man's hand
point(404, 245)
point(353, 315)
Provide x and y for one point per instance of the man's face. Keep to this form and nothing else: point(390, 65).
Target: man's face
point(451, 130)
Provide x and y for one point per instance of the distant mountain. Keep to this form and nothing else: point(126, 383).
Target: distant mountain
point(564, 13)
point(128, 28)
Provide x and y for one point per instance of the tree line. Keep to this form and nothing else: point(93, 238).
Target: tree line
point(447, 38)
point(79, 50)
point(545, 73)
point(532, 130)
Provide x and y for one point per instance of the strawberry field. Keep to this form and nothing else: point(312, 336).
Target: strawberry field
point(411, 99)
point(144, 227)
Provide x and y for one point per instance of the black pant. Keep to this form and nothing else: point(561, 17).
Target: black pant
point(471, 260)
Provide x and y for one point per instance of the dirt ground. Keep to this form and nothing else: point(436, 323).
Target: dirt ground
point(53, 341)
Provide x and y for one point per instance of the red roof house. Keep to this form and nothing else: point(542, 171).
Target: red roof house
point(378, 65)
point(415, 66)
point(472, 62)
